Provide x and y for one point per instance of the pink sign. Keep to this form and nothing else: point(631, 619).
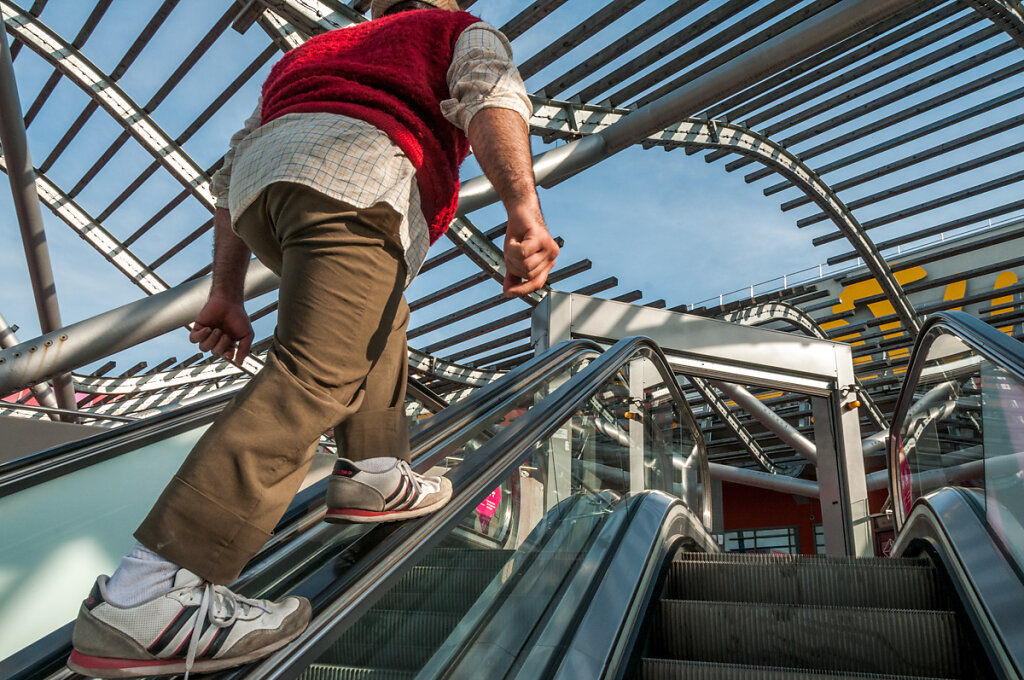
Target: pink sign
point(485, 511)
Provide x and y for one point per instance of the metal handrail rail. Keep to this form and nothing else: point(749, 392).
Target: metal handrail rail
point(472, 482)
point(449, 421)
point(84, 415)
point(988, 342)
point(69, 457)
point(946, 527)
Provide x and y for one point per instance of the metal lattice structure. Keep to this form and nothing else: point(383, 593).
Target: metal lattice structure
point(905, 130)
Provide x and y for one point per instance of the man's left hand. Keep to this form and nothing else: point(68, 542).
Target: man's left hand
point(530, 252)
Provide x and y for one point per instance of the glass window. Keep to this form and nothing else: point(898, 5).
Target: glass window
point(784, 540)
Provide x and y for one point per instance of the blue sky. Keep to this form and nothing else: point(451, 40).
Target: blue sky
point(667, 223)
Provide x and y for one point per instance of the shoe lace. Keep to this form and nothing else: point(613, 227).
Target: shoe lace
point(221, 608)
point(427, 484)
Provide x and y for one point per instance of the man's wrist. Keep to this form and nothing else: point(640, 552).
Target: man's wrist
point(230, 294)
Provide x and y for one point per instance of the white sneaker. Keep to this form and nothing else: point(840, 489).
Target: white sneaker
point(354, 495)
point(196, 626)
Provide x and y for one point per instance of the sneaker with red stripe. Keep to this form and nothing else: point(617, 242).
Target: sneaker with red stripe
point(195, 627)
point(355, 495)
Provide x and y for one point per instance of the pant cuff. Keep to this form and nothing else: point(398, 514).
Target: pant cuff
point(197, 533)
point(369, 434)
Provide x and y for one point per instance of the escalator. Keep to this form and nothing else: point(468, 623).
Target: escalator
point(807, 618)
point(946, 604)
point(576, 545)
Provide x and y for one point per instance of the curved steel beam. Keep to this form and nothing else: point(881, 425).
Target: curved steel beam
point(104, 91)
point(1008, 15)
point(221, 371)
point(563, 119)
point(157, 381)
point(782, 311)
point(757, 315)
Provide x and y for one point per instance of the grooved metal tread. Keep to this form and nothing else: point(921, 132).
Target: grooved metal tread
point(835, 583)
point(756, 558)
point(467, 558)
point(667, 669)
point(848, 639)
point(319, 671)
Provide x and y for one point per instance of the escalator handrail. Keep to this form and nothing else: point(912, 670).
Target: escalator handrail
point(65, 458)
point(472, 482)
point(946, 526)
point(988, 342)
point(606, 630)
point(454, 417)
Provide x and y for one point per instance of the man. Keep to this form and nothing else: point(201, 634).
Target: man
point(345, 174)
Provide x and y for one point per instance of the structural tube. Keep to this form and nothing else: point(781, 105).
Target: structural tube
point(42, 391)
point(115, 330)
point(764, 480)
point(767, 417)
point(22, 177)
point(799, 42)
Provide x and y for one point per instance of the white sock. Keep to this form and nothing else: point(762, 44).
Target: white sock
point(141, 576)
point(379, 464)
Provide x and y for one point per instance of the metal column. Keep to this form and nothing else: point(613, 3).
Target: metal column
point(26, 205)
point(841, 479)
point(42, 391)
point(770, 419)
point(637, 384)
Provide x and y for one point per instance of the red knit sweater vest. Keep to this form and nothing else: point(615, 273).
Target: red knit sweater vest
point(391, 73)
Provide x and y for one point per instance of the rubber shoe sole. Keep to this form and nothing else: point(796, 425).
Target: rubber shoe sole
point(100, 667)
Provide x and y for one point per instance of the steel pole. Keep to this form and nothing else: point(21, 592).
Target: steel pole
point(26, 204)
point(42, 391)
point(115, 330)
point(767, 417)
point(789, 47)
point(764, 480)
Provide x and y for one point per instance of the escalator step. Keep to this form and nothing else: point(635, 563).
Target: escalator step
point(467, 558)
point(320, 671)
point(754, 558)
point(666, 669)
point(847, 639)
point(817, 581)
point(438, 589)
point(399, 654)
point(391, 639)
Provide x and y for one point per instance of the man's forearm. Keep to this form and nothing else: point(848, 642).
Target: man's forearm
point(230, 259)
point(501, 145)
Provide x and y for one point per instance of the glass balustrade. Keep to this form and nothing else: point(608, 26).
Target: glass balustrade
point(964, 427)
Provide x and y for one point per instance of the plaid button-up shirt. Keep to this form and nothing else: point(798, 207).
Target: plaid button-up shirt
point(352, 161)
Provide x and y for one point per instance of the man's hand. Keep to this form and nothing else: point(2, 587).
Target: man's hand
point(501, 143)
point(219, 325)
point(530, 251)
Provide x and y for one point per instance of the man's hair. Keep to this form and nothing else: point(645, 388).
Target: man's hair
point(407, 5)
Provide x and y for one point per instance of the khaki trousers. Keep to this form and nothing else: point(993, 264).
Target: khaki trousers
point(338, 359)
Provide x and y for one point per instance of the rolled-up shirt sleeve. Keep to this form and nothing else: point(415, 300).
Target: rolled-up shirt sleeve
point(483, 75)
point(220, 183)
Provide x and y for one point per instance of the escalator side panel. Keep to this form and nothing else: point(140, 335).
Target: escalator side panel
point(57, 535)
